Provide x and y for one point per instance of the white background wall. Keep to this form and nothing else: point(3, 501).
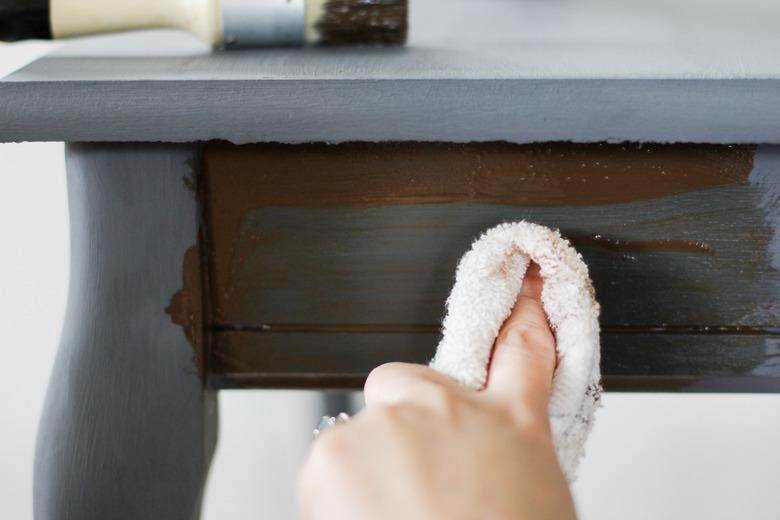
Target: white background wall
point(650, 456)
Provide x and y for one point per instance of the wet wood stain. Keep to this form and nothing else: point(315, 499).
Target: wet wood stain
point(388, 328)
point(186, 305)
point(618, 245)
point(533, 175)
point(238, 179)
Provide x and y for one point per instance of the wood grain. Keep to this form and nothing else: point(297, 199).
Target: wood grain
point(655, 362)
point(556, 174)
point(372, 233)
point(325, 261)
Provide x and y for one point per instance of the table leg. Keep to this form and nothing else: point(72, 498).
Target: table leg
point(128, 427)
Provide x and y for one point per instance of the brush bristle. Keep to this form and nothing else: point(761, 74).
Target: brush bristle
point(362, 22)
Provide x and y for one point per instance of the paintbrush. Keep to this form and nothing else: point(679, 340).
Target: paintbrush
point(221, 23)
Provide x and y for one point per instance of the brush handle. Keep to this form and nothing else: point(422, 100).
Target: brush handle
point(27, 19)
point(24, 20)
point(221, 23)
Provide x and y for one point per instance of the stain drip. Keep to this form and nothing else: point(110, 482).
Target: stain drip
point(186, 306)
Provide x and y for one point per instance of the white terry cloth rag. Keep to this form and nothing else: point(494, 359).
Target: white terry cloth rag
point(488, 280)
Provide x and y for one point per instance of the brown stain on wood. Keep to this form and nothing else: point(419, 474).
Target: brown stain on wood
point(532, 175)
point(614, 244)
point(238, 179)
point(245, 359)
point(408, 328)
point(186, 306)
point(611, 383)
point(300, 381)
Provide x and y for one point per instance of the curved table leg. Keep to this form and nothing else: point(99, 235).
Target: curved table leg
point(128, 427)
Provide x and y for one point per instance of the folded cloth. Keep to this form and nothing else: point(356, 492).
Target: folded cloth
point(487, 282)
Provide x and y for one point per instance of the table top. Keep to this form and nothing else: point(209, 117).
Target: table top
point(474, 70)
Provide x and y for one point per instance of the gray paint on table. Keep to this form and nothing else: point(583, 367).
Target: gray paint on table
point(511, 70)
point(299, 111)
point(128, 428)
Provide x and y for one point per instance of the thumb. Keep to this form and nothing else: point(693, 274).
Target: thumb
point(523, 361)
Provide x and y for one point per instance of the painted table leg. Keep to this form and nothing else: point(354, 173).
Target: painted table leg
point(128, 428)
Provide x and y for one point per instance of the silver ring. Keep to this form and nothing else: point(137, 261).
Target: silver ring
point(262, 23)
point(328, 422)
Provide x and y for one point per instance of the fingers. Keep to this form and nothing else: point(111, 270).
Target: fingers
point(396, 382)
point(523, 359)
point(521, 369)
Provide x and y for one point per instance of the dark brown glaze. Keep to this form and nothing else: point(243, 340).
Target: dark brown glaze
point(349, 382)
point(643, 362)
point(534, 175)
point(241, 178)
point(363, 22)
point(637, 383)
point(613, 244)
point(387, 328)
point(186, 305)
point(332, 328)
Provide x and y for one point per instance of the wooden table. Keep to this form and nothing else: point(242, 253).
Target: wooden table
point(219, 242)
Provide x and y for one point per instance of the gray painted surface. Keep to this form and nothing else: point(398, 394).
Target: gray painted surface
point(586, 70)
point(128, 429)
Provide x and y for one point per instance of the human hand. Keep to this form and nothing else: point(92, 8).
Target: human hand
point(427, 448)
